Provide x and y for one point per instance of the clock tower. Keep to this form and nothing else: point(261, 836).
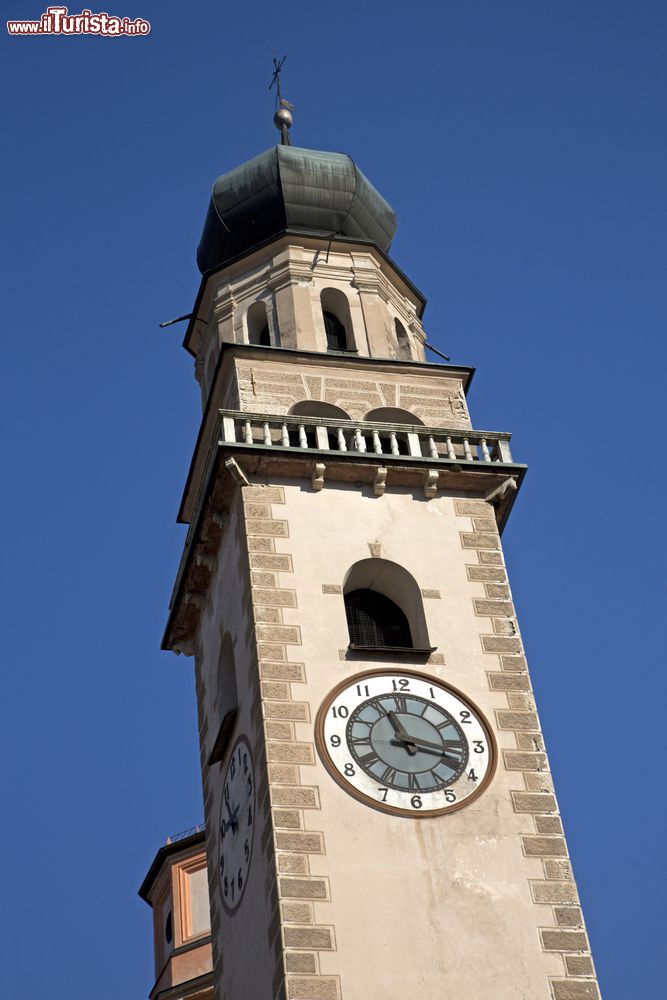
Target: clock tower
point(380, 816)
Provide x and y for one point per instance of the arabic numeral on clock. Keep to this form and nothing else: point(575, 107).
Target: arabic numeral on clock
point(465, 717)
point(340, 712)
point(239, 880)
point(349, 771)
point(449, 795)
point(402, 684)
point(361, 692)
point(432, 693)
point(478, 746)
point(334, 740)
point(416, 801)
point(225, 886)
point(246, 850)
point(383, 793)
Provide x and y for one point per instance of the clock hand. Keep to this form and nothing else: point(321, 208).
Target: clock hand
point(401, 734)
point(433, 748)
point(232, 818)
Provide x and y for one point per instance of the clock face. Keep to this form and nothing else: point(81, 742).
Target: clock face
point(405, 743)
point(237, 824)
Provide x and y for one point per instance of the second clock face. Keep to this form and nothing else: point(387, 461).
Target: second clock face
point(237, 824)
point(405, 743)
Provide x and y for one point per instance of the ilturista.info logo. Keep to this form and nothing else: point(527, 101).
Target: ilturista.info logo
point(59, 21)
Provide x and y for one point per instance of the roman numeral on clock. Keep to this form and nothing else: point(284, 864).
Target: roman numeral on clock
point(359, 741)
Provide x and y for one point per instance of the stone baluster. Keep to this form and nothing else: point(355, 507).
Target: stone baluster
point(485, 451)
point(466, 450)
point(267, 433)
point(303, 440)
point(393, 444)
point(377, 444)
point(342, 445)
point(284, 437)
point(359, 442)
point(247, 432)
point(450, 448)
point(432, 447)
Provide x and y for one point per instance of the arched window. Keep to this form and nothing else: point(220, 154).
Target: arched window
point(336, 333)
point(394, 415)
point(327, 411)
point(227, 699)
point(384, 608)
point(314, 408)
point(404, 349)
point(374, 620)
point(258, 325)
point(337, 320)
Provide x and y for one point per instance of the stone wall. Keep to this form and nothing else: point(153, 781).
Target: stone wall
point(273, 387)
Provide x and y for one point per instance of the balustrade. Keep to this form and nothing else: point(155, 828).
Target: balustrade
point(359, 437)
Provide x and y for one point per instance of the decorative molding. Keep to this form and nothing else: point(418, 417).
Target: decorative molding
point(318, 476)
point(380, 481)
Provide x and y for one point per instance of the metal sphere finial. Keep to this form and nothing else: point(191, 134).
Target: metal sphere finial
point(282, 119)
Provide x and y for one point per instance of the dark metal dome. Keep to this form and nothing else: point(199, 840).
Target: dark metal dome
point(287, 188)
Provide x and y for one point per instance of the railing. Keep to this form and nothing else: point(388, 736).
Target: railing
point(184, 834)
point(364, 437)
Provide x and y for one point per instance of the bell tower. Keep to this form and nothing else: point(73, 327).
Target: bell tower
point(380, 816)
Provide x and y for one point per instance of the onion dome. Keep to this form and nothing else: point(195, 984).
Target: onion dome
point(287, 189)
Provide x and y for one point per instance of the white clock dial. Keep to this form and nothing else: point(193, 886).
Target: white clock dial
point(237, 824)
point(405, 743)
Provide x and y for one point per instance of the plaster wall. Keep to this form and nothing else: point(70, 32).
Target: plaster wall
point(440, 906)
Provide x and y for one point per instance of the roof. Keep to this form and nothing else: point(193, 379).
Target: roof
point(177, 846)
point(287, 187)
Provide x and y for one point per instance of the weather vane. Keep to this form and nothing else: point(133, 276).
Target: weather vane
point(283, 116)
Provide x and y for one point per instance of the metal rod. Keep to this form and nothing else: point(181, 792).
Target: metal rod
point(436, 351)
point(170, 322)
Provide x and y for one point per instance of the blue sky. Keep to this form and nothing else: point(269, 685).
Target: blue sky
point(523, 147)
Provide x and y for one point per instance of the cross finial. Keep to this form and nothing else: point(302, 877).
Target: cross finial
point(282, 119)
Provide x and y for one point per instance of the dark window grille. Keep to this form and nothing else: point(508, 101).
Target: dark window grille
point(336, 334)
point(374, 620)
